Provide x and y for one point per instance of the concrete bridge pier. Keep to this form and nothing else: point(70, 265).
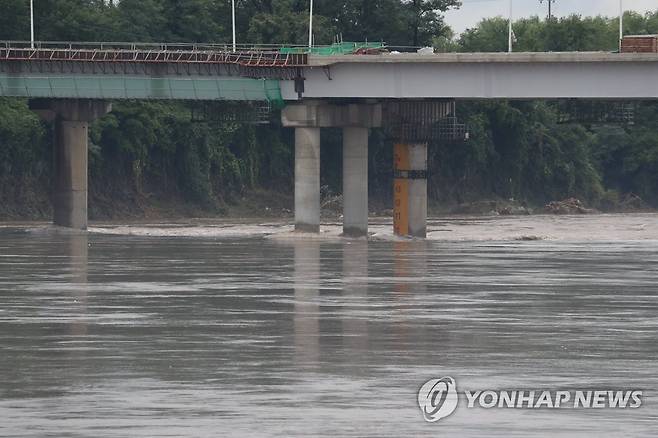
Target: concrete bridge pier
point(355, 182)
point(308, 118)
point(410, 190)
point(418, 190)
point(72, 118)
point(307, 180)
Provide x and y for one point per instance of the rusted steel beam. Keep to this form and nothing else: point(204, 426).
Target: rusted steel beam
point(247, 58)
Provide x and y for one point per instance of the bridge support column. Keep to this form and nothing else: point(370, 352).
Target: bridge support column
point(355, 182)
point(418, 190)
point(70, 184)
point(307, 180)
point(307, 118)
point(410, 190)
point(72, 118)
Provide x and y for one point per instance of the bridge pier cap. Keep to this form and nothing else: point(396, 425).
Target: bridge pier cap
point(72, 110)
point(319, 114)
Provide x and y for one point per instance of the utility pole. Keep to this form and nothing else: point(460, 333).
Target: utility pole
point(621, 23)
point(310, 27)
point(510, 32)
point(550, 4)
point(233, 11)
point(32, 24)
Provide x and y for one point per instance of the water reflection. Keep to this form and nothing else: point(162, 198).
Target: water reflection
point(409, 277)
point(77, 252)
point(355, 296)
point(410, 266)
point(252, 337)
point(307, 307)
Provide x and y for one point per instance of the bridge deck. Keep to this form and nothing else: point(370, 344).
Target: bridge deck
point(586, 75)
point(145, 71)
point(211, 72)
point(483, 58)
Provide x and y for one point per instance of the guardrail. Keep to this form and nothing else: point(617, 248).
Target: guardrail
point(359, 48)
point(148, 53)
point(115, 45)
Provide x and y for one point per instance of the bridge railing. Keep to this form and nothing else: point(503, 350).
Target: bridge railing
point(139, 46)
point(358, 48)
point(256, 56)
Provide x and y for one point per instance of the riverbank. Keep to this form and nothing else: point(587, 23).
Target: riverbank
point(30, 201)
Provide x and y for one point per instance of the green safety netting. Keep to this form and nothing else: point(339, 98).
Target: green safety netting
point(141, 87)
point(344, 48)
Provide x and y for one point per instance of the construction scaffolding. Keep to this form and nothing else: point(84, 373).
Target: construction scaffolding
point(249, 61)
point(596, 111)
point(423, 121)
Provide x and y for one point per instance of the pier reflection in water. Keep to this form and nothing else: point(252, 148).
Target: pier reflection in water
point(307, 305)
point(78, 256)
point(147, 336)
point(354, 300)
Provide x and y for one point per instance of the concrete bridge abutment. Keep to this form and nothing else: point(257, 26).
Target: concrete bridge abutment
point(70, 157)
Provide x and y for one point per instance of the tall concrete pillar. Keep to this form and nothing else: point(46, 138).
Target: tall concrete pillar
point(70, 182)
point(410, 190)
point(355, 182)
point(418, 190)
point(307, 180)
point(72, 118)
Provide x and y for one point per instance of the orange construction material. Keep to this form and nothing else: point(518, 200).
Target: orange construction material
point(639, 44)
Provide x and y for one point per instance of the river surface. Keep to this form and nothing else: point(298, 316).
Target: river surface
point(214, 329)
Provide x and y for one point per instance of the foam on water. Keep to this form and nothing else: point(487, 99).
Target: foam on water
point(605, 228)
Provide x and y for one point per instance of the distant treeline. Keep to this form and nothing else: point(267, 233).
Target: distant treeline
point(153, 150)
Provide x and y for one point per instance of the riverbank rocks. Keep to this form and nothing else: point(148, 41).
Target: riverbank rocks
point(493, 208)
point(624, 203)
point(567, 206)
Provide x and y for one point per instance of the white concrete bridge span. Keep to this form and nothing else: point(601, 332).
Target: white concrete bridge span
point(587, 75)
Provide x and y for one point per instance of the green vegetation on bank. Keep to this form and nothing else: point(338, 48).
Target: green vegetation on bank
point(148, 152)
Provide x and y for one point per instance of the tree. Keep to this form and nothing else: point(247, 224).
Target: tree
point(14, 20)
point(288, 24)
point(193, 21)
point(368, 20)
point(75, 20)
point(490, 35)
point(425, 20)
point(142, 20)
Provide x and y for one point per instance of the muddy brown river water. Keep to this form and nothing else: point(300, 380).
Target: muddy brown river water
point(215, 329)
